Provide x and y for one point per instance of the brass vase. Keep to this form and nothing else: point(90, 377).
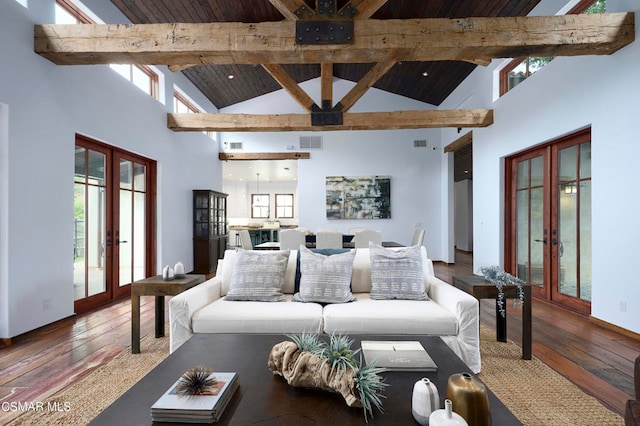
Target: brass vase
point(470, 399)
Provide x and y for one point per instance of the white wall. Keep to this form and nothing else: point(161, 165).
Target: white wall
point(416, 181)
point(48, 105)
point(568, 94)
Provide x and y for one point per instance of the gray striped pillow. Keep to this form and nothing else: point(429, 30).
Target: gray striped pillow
point(396, 274)
point(325, 279)
point(258, 275)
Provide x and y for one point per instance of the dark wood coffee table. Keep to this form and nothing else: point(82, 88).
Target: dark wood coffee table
point(266, 399)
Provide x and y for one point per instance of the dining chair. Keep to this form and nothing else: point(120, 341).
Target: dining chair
point(291, 239)
point(328, 239)
point(418, 237)
point(245, 239)
point(362, 238)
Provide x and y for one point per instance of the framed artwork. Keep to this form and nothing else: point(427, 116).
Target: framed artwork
point(367, 197)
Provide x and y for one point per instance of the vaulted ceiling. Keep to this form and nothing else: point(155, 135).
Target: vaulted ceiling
point(249, 81)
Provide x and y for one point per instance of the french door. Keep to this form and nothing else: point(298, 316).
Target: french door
point(114, 222)
point(548, 229)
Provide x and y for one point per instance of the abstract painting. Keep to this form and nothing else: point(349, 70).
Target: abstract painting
point(367, 197)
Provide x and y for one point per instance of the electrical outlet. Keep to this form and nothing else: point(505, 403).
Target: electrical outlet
point(623, 306)
point(46, 303)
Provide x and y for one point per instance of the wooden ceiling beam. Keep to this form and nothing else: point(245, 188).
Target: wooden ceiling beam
point(288, 7)
point(366, 8)
point(365, 84)
point(290, 85)
point(468, 39)
point(326, 84)
point(418, 119)
point(461, 142)
point(252, 156)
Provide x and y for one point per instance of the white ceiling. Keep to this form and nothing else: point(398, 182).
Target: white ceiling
point(270, 170)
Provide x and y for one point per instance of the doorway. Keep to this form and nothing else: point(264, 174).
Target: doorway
point(114, 232)
point(548, 229)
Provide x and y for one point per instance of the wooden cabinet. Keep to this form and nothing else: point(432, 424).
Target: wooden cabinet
point(209, 229)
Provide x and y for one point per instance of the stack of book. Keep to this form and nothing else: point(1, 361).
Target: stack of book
point(172, 407)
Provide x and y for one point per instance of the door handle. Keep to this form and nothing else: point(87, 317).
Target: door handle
point(544, 241)
point(118, 242)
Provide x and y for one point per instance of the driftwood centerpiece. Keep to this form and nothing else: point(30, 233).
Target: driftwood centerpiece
point(306, 361)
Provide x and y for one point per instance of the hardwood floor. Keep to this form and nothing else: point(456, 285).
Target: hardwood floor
point(44, 361)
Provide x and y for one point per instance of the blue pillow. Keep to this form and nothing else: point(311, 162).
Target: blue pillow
point(326, 252)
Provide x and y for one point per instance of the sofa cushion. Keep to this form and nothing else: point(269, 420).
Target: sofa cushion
point(258, 275)
point(361, 275)
point(228, 265)
point(368, 316)
point(325, 279)
point(397, 274)
point(326, 252)
point(225, 316)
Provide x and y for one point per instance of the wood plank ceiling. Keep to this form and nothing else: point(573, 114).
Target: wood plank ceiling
point(249, 81)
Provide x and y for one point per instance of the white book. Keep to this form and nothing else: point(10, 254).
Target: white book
point(398, 355)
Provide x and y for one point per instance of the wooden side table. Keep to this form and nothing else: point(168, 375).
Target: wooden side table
point(156, 286)
point(480, 288)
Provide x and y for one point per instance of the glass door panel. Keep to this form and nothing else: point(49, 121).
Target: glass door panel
point(567, 241)
point(573, 249)
point(131, 244)
point(529, 220)
point(90, 224)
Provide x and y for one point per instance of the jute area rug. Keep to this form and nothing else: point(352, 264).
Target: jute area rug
point(535, 393)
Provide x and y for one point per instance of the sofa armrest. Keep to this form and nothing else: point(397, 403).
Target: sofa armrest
point(466, 308)
point(184, 305)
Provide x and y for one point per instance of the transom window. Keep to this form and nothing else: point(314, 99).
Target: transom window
point(518, 70)
point(141, 76)
point(284, 206)
point(182, 104)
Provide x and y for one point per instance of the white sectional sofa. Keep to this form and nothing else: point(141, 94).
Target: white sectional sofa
point(448, 312)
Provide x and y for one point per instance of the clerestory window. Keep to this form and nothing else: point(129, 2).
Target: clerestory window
point(518, 70)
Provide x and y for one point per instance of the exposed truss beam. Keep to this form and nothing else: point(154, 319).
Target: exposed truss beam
point(288, 7)
point(365, 84)
point(366, 8)
point(468, 39)
point(326, 84)
point(352, 121)
point(290, 85)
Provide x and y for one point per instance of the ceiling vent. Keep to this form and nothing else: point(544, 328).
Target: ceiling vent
point(235, 145)
point(310, 142)
point(420, 143)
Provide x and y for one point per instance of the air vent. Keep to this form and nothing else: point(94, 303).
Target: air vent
point(310, 142)
point(235, 145)
point(420, 143)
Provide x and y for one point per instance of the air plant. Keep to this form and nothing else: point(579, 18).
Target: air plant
point(197, 381)
point(370, 386)
point(339, 354)
point(307, 342)
point(497, 276)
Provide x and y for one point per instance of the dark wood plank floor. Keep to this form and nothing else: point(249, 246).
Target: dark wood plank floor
point(46, 360)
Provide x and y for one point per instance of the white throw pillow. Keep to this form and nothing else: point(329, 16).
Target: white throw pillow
point(258, 275)
point(397, 274)
point(325, 279)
